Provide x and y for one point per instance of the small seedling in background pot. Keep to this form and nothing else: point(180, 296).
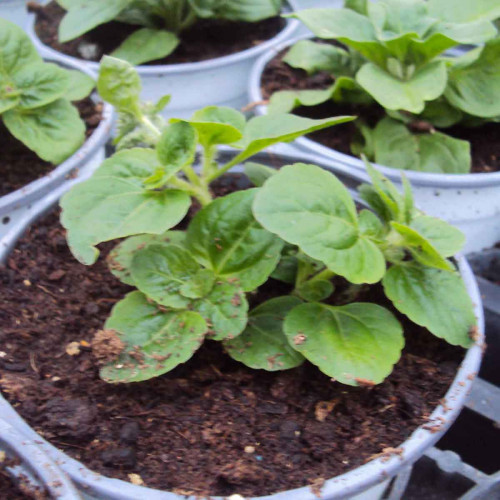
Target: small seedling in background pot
point(298, 225)
point(393, 55)
point(35, 98)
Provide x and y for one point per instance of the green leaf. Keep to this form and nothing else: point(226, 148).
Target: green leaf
point(286, 270)
point(432, 298)
point(80, 85)
point(114, 204)
point(264, 131)
point(159, 271)
point(258, 173)
point(285, 101)
point(470, 10)
point(237, 10)
point(164, 340)
point(120, 85)
point(200, 284)
point(16, 49)
point(396, 147)
point(445, 238)
point(441, 113)
point(315, 291)
point(356, 344)
point(176, 147)
point(83, 15)
point(426, 84)
point(420, 248)
point(475, 88)
point(359, 6)
point(263, 344)
point(40, 84)
point(217, 125)
point(54, 131)
point(225, 237)
point(119, 260)
point(370, 224)
point(145, 45)
point(313, 57)
point(224, 309)
point(162, 103)
point(309, 207)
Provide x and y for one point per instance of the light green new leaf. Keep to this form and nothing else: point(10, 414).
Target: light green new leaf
point(164, 339)
point(426, 84)
point(40, 84)
point(225, 237)
point(420, 248)
point(470, 10)
point(237, 10)
point(114, 204)
point(146, 45)
point(54, 131)
point(285, 101)
point(395, 146)
point(119, 84)
point(264, 131)
point(475, 88)
point(309, 207)
point(83, 15)
point(159, 271)
point(217, 125)
point(432, 298)
point(119, 260)
point(263, 344)
point(257, 173)
point(445, 238)
point(16, 49)
point(356, 344)
point(80, 85)
point(176, 147)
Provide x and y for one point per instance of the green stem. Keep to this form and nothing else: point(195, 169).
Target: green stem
point(208, 161)
point(225, 168)
point(325, 275)
point(150, 125)
point(201, 193)
point(191, 175)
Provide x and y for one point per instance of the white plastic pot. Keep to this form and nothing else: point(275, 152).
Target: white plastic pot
point(367, 482)
point(14, 11)
point(222, 81)
point(470, 202)
point(15, 205)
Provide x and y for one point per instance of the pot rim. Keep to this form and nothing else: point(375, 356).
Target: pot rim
point(36, 189)
point(171, 69)
point(339, 487)
point(334, 157)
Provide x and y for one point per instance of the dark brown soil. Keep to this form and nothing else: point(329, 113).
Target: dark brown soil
point(207, 39)
point(23, 491)
point(211, 426)
point(20, 166)
point(485, 140)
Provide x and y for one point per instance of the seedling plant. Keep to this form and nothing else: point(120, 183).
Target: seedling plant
point(298, 225)
point(392, 54)
point(36, 98)
point(162, 21)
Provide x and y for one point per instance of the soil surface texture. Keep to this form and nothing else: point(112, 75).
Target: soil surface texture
point(20, 166)
point(207, 39)
point(211, 426)
point(484, 140)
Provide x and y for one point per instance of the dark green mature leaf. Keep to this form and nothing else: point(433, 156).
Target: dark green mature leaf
point(16, 49)
point(146, 45)
point(226, 238)
point(395, 146)
point(315, 291)
point(119, 260)
point(114, 204)
point(217, 125)
point(159, 271)
point(54, 131)
point(263, 344)
point(309, 207)
point(432, 298)
point(40, 84)
point(445, 238)
point(357, 344)
point(165, 339)
point(475, 88)
point(199, 285)
point(120, 85)
point(177, 146)
point(80, 85)
point(426, 84)
point(83, 15)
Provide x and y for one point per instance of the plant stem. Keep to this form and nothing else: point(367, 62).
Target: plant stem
point(222, 170)
point(201, 193)
point(208, 161)
point(325, 275)
point(150, 125)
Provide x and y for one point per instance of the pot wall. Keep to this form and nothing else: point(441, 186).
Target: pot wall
point(14, 11)
point(470, 202)
point(222, 81)
point(364, 483)
point(15, 205)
